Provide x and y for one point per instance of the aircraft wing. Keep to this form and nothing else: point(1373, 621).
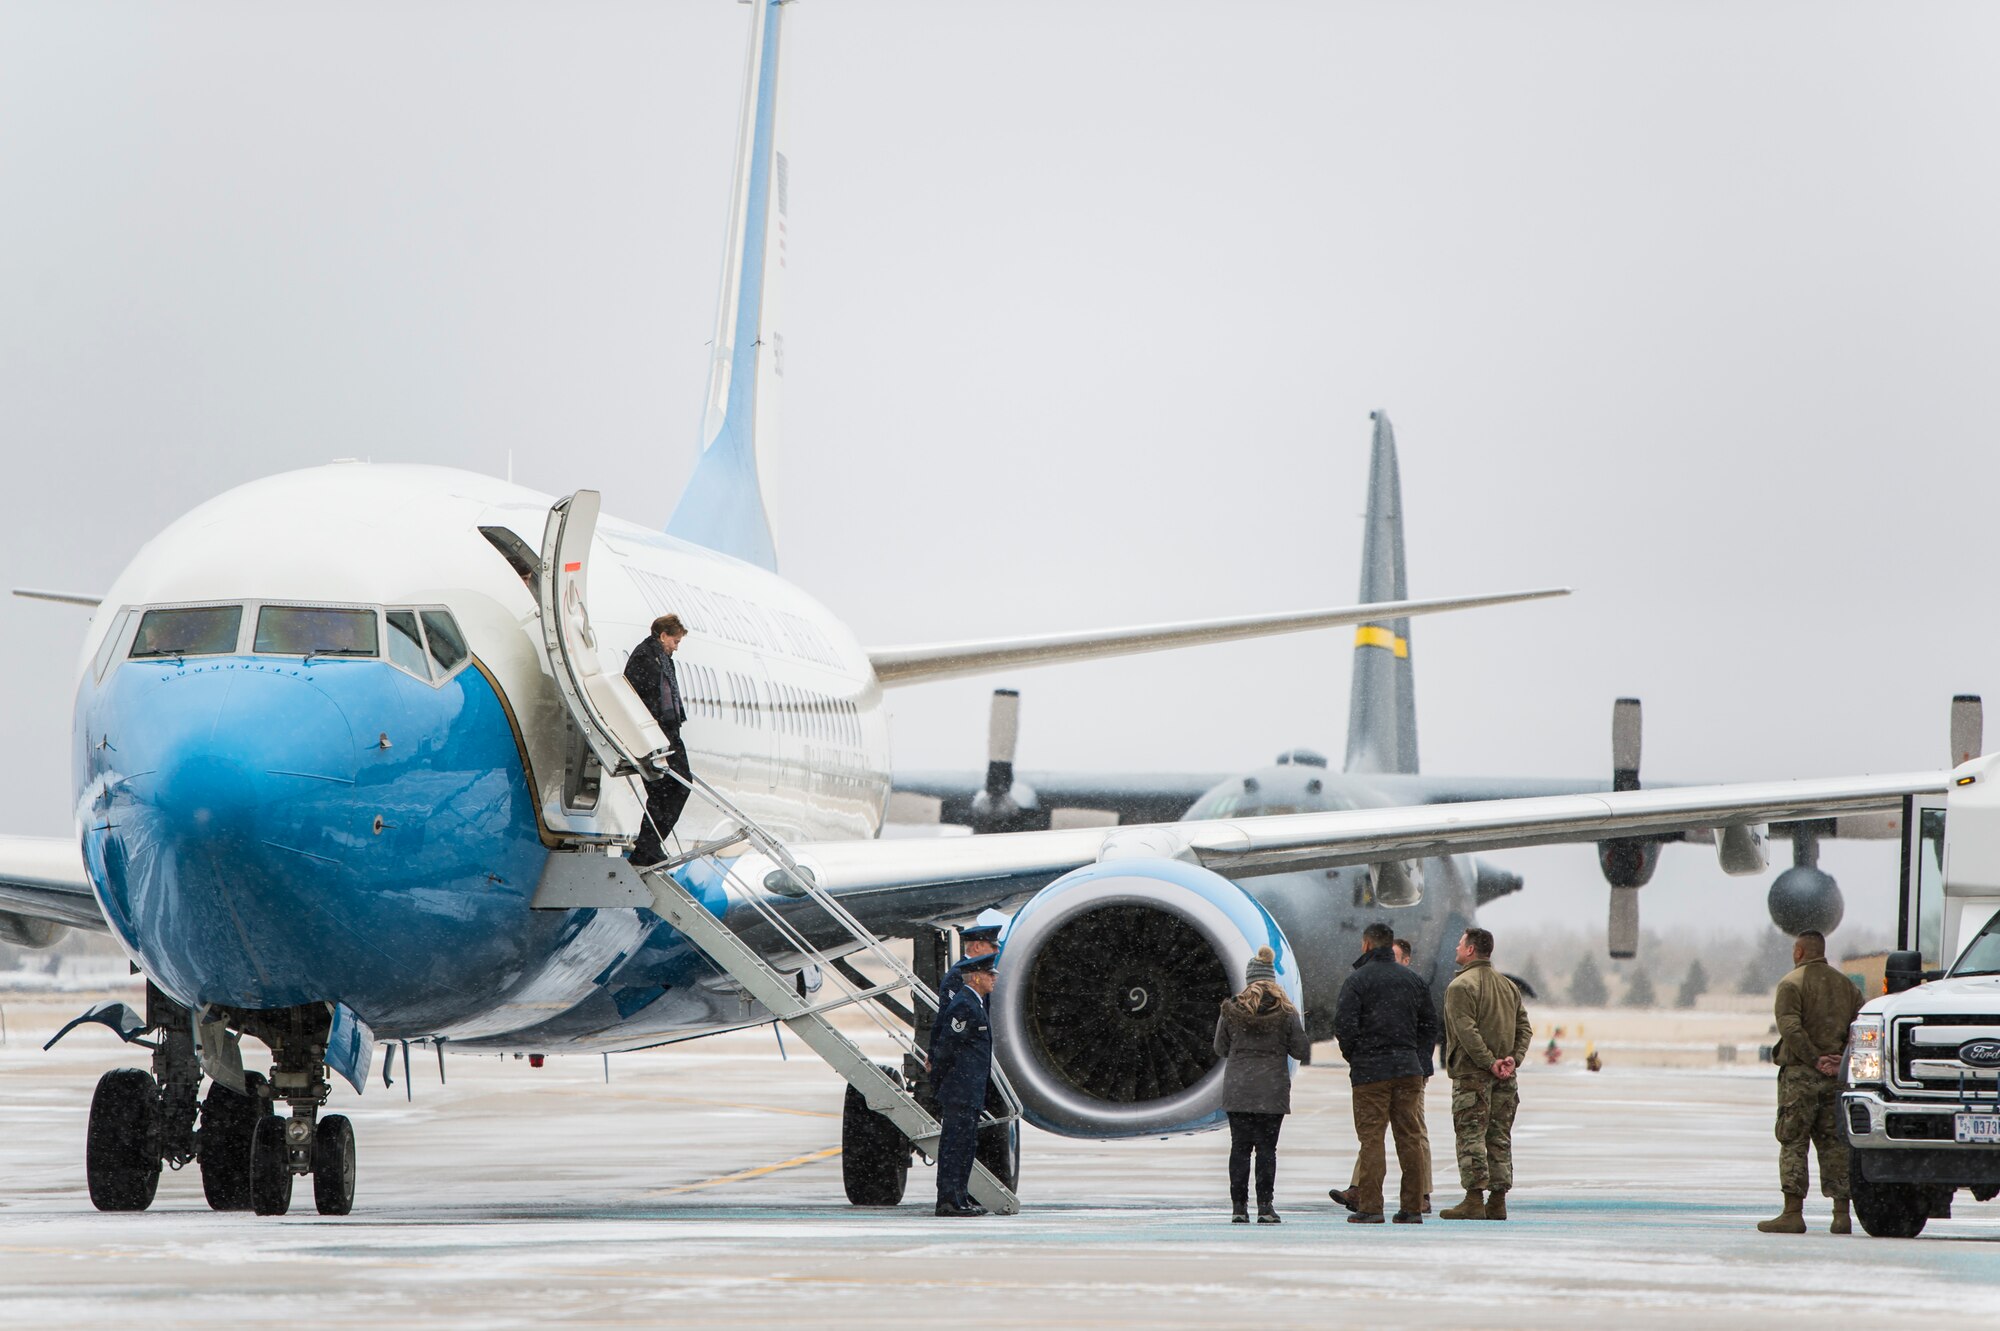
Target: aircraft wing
point(42, 881)
point(896, 666)
point(894, 885)
point(1136, 797)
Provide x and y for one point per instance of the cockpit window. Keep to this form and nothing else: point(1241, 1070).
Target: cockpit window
point(112, 636)
point(296, 630)
point(406, 643)
point(204, 630)
point(447, 643)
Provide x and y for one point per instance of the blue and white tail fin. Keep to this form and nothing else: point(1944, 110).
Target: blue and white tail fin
point(1382, 714)
point(723, 505)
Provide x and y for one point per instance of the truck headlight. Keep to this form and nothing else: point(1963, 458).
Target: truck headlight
point(1865, 1042)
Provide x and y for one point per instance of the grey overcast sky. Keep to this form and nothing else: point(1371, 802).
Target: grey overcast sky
point(1691, 305)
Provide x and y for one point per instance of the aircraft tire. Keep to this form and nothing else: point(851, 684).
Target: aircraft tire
point(121, 1159)
point(874, 1155)
point(270, 1169)
point(228, 1121)
point(1888, 1210)
point(999, 1149)
point(333, 1165)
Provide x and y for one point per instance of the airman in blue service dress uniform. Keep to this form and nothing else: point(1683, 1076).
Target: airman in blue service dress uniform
point(981, 939)
point(961, 1059)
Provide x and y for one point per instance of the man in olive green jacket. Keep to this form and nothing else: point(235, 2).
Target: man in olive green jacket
point(1814, 1007)
point(1486, 1035)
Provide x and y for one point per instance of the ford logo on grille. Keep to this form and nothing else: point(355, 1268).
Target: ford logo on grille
point(1980, 1053)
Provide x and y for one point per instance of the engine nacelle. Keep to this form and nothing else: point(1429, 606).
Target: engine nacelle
point(21, 931)
point(1804, 897)
point(1105, 1013)
point(1628, 862)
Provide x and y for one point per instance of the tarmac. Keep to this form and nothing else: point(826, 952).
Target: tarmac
point(701, 1187)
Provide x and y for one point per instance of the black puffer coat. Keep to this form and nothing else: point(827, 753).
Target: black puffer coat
point(1256, 1078)
point(1384, 1020)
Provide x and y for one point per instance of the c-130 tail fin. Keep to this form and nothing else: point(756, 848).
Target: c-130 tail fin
point(1382, 713)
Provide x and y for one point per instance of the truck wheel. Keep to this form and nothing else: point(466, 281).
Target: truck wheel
point(874, 1154)
point(1890, 1210)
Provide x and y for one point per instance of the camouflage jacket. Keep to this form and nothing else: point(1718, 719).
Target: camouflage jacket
point(1484, 1020)
point(1815, 1005)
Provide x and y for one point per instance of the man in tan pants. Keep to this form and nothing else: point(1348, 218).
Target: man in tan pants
point(1345, 1196)
point(1384, 1022)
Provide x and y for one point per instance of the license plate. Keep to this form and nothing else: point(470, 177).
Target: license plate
point(1977, 1127)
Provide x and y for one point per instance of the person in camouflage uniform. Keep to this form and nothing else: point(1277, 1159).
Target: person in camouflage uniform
point(1815, 1005)
point(1486, 1035)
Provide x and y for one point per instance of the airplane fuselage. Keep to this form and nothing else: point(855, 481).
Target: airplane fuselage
point(266, 828)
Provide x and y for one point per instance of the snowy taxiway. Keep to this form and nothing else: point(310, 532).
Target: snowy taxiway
point(701, 1187)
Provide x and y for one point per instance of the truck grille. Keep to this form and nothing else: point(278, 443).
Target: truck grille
point(1919, 1127)
point(1926, 1053)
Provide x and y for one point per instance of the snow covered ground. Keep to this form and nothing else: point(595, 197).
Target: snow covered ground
point(701, 1187)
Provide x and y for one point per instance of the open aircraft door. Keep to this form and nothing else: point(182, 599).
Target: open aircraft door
point(616, 725)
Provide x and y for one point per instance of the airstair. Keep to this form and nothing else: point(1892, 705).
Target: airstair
point(627, 743)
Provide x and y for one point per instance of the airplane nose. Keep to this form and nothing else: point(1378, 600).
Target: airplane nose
point(233, 745)
point(214, 831)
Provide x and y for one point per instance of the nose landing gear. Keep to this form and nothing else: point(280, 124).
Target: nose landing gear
point(248, 1154)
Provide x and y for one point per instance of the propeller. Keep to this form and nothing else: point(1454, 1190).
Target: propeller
point(1008, 804)
point(1968, 728)
point(1628, 862)
point(1002, 804)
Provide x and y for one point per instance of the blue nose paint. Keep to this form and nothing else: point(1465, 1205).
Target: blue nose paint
point(253, 841)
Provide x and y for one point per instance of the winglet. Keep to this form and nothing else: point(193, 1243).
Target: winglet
point(723, 505)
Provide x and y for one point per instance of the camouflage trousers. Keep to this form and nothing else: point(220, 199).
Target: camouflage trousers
point(1482, 1117)
point(1808, 1114)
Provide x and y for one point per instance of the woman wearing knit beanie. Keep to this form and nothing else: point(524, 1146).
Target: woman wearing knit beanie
point(1257, 1035)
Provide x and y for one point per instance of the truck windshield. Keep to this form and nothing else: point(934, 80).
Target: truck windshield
point(1982, 955)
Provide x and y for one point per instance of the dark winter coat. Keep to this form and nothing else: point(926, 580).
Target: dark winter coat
point(1384, 1020)
point(650, 672)
point(1256, 1078)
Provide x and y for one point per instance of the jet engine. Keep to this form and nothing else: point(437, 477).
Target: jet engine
point(22, 931)
point(1104, 1017)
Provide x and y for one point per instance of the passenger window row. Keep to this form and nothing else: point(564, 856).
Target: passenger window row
point(727, 695)
point(762, 628)
point(424, 641)
point(813, 715)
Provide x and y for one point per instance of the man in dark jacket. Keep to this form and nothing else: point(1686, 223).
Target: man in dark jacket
point(650, 672)
point(1404, 956)
point(1385, 1025)
point(961, 1061)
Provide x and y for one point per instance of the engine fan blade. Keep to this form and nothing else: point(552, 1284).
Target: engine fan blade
point(1968, 728)
point(1003, 732)
point(1625, 733)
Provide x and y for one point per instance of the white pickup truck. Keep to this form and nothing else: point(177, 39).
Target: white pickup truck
point(1921, 1104)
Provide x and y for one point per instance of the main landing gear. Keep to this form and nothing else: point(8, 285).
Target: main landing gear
point(248, 1154)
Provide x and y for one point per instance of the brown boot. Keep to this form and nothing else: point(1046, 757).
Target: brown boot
point(1791, 1220)
point(1842, 1224)
point(1472, 1208)
point(1496, 1205)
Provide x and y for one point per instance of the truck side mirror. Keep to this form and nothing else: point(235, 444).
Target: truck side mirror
point(1903, 970)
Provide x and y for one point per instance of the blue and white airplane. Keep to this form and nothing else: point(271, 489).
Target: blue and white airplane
point(319, 795)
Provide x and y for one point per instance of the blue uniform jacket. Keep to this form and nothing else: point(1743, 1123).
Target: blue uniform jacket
point(949, 984)
point(962, 1054)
